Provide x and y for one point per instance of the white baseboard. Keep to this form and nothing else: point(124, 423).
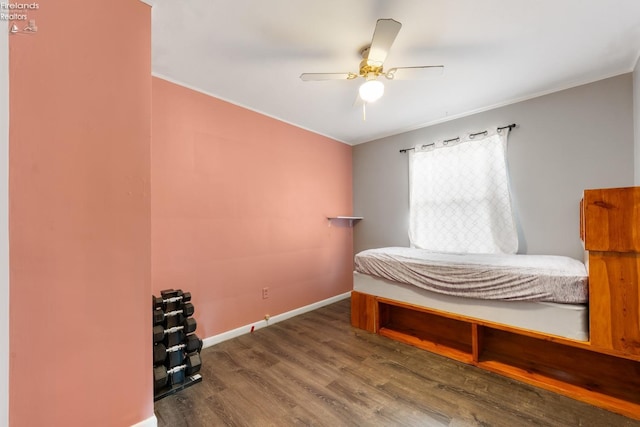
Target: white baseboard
point(208, 342)
point(149, 422)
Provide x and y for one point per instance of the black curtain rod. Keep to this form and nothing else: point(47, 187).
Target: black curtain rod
point(472, 135)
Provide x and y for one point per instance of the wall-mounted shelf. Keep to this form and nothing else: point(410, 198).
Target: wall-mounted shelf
point(351, 219)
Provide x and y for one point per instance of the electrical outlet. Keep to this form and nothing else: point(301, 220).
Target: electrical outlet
point(265, 293)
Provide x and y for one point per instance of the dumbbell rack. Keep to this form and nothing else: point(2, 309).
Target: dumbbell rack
point(176, 347)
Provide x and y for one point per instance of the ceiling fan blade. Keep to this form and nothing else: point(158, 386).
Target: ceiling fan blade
point(311, 77)
point(383, 37)
point(415, 73)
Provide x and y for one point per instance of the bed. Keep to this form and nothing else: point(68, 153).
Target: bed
point(535, 292)
point(556, 323)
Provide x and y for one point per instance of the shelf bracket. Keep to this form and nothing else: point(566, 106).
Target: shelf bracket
point(352, 219)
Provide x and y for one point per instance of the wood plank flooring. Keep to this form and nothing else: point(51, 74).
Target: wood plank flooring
point(316, 370)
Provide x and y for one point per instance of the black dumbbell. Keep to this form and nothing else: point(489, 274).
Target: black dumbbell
point(175, 317)
point(170, 297)
point(175, 335)
point(160, 351)
point(170, 359)
point(161, 374)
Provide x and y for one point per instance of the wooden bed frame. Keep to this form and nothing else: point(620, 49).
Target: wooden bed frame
point(604, 371)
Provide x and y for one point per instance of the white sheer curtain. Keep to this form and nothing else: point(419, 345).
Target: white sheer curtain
point(459, 196)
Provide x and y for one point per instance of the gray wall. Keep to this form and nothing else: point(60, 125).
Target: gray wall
point(565, 142)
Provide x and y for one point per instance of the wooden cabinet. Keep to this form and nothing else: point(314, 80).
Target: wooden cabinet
point(610, 220)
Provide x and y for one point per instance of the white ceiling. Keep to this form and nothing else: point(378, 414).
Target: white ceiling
point(252, 52)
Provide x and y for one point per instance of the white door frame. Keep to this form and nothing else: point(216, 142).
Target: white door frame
point(4, 223)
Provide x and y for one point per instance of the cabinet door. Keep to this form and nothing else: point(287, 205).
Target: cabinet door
point(612, 220)
point(614, 297)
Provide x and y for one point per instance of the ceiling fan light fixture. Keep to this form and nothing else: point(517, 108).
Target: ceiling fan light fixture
point(371, 90)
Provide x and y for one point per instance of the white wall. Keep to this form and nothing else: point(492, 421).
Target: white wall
point(4, 223)
point(565, 142)
point(636, 119)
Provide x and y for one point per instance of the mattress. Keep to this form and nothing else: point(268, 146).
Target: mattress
point(509, 277)
point(564, 320)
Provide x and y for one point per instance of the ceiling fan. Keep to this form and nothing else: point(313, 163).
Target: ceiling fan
point(371, 66)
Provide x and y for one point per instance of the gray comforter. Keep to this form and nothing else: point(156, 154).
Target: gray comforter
point(487, 276)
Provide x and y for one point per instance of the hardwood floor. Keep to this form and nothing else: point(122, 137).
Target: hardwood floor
point(316, 370)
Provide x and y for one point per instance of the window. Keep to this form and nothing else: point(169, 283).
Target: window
point(459, 196)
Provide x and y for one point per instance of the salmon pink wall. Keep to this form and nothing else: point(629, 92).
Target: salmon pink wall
point(79, 216)
point(239, 202)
